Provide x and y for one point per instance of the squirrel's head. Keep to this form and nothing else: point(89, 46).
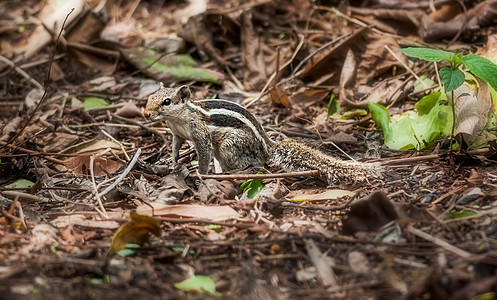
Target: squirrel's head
point(167, 101)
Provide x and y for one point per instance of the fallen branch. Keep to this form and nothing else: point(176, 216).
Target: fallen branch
point(246, 176)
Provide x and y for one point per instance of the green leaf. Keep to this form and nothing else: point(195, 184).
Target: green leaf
point(126, 252)
point(427, 54)
point(380, 116)
point(413, 130)
point(425, 82)
point(462, 214)
point(197, 283)
point(333, 106)
point(20, 183)
point(253, 186)
point(425, 104)
point(213, 227)
point(482, 67)
point(92, 102)
point(451, 79)
point(356, 112)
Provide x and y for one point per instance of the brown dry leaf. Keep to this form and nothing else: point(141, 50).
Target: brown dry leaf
point(88, 219)
point(446, 12)
point(352, 64)
point(359, 263)
point(92, 146)
point(402, 20)
point(323, 263)
point(56, 141)
point(308, 96)
point(130, 110)
point(52, 15)
point(101, 84)
point(490, 49)
point(42, 235)
point(11, 128)
point(214, 188)
point(258, 58)
point(136, 231)
point(173, 188)
point(56, 72)
point(80, 165)
point(214, 213)
point(280, 97)
point(471, 110)
point(199, 30)
point(481, 15)
point(86, 32)
point(369, 214)
point(301, 195)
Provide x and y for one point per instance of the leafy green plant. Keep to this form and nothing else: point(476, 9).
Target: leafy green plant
point(462, 214)
point(452, 77)
point(93, 102)
point(20, 183)
point(417, 130)
point(129, 249)
point(198, 283)
point(252, 186)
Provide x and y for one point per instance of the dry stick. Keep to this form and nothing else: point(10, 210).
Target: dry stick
point(427, 157)
point(26, 196)
point(464, 23)
point(123, 174)
point(302, 62)
point(405, 66)
point(330, 208)
point(56, 188)
point(356, 21)
point(163, 137)
point(117, 142)
point(273, 76)
point(30, 152)
point(102, 212)
point(47, 80)
point(21, 72)
point(253, 176)
point(441, 243)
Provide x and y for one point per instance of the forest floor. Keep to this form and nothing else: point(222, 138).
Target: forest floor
point(90, 207)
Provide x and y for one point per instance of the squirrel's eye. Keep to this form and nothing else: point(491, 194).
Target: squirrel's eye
point(166, 101)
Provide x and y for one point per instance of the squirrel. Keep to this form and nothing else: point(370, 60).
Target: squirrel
point(236, 139)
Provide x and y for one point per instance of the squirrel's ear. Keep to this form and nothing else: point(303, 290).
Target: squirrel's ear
point(184, 93)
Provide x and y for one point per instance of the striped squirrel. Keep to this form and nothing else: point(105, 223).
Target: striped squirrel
point(236, 139)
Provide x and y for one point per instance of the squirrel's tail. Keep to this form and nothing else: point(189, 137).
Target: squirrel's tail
point(292, 155)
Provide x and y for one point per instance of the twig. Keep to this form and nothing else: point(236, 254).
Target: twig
point(273, 76)
point(253, 176)
point(464, 23)
point(102, 212)
point(26, 196)
point(427, 157)
point(163, 137)
point(47, 80)
point(331, 208)
point(354, 20)
point(405, 66)
point(123, 174)
point(117, 142)
point(21, 72)
point(441, 243)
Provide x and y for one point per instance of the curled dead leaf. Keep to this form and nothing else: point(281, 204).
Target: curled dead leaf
point(471, 109)
point(136, 231)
